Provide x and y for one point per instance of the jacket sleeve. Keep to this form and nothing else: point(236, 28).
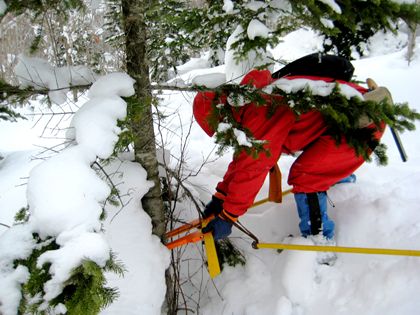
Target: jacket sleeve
point(245, 174)
point(202, 107)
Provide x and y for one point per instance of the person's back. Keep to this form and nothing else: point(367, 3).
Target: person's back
point(321, 163)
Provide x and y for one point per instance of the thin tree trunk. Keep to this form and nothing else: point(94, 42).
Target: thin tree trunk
point(140, 113)
point(141, 109)
point(412, 39)
point(411, 44)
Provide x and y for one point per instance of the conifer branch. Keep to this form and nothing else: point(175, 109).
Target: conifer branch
point(16, 94)
point(340, 114)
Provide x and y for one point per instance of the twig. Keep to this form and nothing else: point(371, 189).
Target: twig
point(109, 181)
point(187, 191)
point(5, 225)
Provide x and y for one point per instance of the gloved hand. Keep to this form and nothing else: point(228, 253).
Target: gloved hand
point(215, 206)
point(221, 225)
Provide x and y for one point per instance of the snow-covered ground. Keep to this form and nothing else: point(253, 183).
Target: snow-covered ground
point(380, 210)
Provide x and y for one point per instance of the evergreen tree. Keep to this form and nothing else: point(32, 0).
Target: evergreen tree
point(160, 35)
point(180, 31)
point(140, 116)
point(348, 26)
point(85, 291)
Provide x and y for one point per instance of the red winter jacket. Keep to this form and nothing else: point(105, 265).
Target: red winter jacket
point(321, 165)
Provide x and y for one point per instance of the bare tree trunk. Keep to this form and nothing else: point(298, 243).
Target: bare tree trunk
point(412, 39)
point(141, 108)
point(141, 121)
point(411, 44)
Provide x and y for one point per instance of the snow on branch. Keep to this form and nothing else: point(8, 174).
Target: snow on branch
point(40, 75)
point(333, 5)
point(64, 198)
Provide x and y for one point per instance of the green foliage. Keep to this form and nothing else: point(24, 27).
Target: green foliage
point(113, 24)
point(22, 215)
point(127, 137)
point(37, 10)
point(133, 123)
point(278, 20)
point(40, 6)
point(9, 114)
point(114, 265)
point(229, 254)
point(178, 31)
point(341, 115)
point(84, 293)
point(38, 276)
point(225, 137)
point(67, 33)
point(168, 46)
point(37, 40)
point(10, 94)
point(228, 138)
point(358, 21)
point(113, 197)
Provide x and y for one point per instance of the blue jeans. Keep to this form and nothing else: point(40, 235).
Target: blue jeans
point(313, 211)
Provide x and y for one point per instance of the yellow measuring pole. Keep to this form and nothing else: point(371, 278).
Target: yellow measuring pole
point(337, 249)
point(341, 249)
point(212, 259)
point(262, 201)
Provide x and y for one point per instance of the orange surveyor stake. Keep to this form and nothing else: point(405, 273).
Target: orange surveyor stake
point(275, 192)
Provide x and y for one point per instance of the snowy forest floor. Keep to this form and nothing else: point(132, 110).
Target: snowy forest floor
point(380, 210)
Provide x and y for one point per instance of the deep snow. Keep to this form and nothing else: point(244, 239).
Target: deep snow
point(380, 210)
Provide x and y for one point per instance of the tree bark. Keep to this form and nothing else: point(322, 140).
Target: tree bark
point(141, 122)
point(411, 43)
point(412, 39)
point(140, 111)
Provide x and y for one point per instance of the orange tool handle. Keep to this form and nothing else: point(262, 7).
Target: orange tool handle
point(190, 238)
point(275, 193)
point(183, 228)
point(186, 227)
